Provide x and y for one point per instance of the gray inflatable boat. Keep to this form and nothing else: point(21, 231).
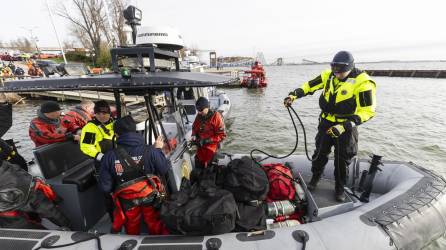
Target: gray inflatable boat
point(406, 210)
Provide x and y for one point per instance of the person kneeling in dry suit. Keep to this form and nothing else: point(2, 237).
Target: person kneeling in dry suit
point(24, 200)
point(130, 172)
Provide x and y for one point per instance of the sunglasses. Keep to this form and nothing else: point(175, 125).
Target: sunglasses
point(339, 67)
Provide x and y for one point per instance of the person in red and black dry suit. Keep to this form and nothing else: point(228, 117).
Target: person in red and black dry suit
point(47, 127)
point(130, 172)
point(24, 200)
point(208, 130)
point(77, 117)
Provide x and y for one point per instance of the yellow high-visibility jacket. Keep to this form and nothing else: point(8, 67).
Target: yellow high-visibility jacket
point(353, 99)
point(96, 138)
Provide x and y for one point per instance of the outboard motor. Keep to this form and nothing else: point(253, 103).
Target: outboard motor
point(367, 179)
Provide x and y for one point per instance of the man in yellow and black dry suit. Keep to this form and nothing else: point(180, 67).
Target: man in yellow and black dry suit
point(347, 100)
point(97, 139)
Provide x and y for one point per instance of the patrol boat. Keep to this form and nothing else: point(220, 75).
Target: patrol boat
point(389, 205)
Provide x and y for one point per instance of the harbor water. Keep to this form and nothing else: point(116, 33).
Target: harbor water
point(410, 122)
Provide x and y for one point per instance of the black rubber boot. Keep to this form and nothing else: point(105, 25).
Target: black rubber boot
point(339, 194)
point(313, 182)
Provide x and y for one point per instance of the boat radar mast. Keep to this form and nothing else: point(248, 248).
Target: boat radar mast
point(133, 18)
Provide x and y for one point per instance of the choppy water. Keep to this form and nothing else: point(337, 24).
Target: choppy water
point(410, 124)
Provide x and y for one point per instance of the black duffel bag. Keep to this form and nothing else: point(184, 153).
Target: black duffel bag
point(246, 180)
point(200, 210)
point(251, 217)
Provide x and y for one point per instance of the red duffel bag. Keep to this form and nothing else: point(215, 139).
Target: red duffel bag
point(281, 184)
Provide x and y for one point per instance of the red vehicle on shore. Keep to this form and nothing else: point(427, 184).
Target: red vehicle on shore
point(255, 77)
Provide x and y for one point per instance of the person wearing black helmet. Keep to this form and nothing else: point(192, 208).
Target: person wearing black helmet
point(348, 100)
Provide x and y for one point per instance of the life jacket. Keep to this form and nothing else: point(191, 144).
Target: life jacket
point(134, 188)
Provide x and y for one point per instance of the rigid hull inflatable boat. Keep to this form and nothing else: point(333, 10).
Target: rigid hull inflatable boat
point(406, 210)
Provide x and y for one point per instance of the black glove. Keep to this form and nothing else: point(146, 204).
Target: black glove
point(69, 136)
point(203, 142)
point(289, 99)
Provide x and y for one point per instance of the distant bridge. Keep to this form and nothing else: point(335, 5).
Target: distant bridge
point(246, 62)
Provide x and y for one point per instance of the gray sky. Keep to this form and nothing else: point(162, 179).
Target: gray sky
point(312, 29)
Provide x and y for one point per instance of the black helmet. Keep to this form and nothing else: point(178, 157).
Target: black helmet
point(342, 62)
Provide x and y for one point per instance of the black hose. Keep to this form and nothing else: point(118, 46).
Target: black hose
point(295, 145)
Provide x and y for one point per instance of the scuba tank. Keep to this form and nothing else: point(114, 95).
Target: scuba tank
point(280, 208)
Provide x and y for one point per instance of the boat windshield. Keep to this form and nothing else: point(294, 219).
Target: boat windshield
point(134, 63)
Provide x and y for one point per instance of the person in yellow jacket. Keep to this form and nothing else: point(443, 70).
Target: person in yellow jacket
point(97, 134)
point(97, 139)
point(348, 99)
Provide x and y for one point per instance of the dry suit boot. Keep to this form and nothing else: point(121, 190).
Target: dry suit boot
point(313, 182)
point(339, 194)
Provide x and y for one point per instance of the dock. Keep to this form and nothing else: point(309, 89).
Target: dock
point(407, 73)
point(85, 95)
point(231, 72)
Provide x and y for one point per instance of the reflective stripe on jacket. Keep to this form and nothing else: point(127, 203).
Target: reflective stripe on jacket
point(353, 99)
point(93, 134)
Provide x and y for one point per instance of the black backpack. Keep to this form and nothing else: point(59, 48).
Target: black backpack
point(246, 180)
point(200, 209)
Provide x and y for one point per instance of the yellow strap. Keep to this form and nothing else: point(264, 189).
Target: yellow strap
point(332, 118)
